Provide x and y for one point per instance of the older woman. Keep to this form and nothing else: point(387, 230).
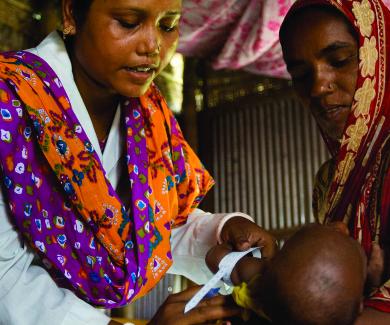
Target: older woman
point(337, 55)
point(97, 176)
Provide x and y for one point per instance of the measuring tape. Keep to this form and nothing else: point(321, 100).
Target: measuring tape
point(226, 267)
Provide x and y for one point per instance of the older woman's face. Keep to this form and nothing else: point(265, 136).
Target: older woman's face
point(123, 44)
point(322, 58)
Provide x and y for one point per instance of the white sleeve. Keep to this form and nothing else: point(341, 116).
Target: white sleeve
point(191, 241)
point(28, 295)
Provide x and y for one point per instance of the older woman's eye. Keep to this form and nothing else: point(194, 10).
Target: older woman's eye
point(341, 62)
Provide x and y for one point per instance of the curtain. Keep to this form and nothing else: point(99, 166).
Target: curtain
point(235, 34)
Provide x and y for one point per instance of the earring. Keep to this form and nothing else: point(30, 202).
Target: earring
point(67, 31)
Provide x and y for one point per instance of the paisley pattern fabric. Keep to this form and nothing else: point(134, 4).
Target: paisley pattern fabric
point(354, 187)
point(61, 201)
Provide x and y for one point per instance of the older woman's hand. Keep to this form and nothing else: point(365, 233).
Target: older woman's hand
point(242, 234)
point(206, 312)
point(376, 267)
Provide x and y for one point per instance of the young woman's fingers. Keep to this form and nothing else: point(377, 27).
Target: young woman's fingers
point(185, 295)
point(202, 314)
point(268, 246)
point(218, 300)
point(172, 312)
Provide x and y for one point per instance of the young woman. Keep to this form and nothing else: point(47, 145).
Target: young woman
point(97, 176)
point(337, 55)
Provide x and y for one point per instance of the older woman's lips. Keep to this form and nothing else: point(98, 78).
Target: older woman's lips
point(333, 112)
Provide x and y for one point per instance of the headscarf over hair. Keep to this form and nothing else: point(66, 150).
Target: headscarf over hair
point(61, 200)
point(355, 186)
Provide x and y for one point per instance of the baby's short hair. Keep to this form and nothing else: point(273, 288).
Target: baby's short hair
point(316, 279)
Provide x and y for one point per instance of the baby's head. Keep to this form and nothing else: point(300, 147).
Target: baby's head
point(317, 278)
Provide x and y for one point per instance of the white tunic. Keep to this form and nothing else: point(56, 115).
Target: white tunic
point(28, 295)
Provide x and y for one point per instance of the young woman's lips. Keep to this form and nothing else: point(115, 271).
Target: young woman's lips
point(140, 75)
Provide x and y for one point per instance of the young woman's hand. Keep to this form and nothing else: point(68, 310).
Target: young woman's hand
point(242, 234)
point(206, 312)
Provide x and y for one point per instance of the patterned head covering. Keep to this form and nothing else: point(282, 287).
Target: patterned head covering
point(355, 186)
point(61, 200)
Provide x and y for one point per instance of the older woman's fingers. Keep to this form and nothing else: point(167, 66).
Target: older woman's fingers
point(376, 266)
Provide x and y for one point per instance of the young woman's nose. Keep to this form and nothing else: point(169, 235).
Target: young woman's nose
point(150, 43)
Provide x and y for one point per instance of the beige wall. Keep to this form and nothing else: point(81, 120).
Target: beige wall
point(23, 23)
point(15, 24)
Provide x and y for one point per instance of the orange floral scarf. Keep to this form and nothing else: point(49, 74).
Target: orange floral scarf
point(61, 200)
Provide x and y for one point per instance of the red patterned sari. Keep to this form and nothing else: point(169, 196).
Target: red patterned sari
point(354, 186)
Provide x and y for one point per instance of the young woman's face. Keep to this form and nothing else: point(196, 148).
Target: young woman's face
point(123, 44)
point(321, 56)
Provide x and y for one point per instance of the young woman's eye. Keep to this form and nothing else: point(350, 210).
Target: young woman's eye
point(127, 25)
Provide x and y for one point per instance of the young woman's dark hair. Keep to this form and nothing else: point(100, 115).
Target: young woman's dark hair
point(80, 10)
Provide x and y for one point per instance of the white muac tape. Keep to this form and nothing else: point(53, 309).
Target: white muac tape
point(225, 269)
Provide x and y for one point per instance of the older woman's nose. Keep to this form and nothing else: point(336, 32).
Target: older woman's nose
point(322, 82)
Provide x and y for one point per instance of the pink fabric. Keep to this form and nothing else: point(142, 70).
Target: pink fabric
point(236, 34)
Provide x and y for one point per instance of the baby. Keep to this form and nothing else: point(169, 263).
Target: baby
point(317, 278)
